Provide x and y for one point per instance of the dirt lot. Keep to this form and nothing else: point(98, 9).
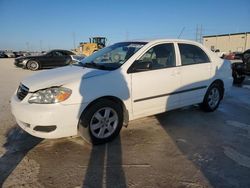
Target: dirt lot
point(182, 148)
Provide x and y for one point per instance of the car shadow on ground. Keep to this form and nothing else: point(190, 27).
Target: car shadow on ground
point(207, 141)
point(18, 144)
point(105, 166)
point(246, 82)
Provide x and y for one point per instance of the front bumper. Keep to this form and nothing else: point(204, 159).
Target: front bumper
point(32, 117)
point(19, 63)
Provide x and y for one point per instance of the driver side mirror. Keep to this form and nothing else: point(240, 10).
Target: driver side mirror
point(140, 66)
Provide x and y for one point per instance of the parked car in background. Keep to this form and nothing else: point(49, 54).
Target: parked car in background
point(53, 58)
point(237, 55)
point(121, 82)
point(246, 56)
point(219, 53)
point(18, 54)
point(241, 70)
point(2, 55)
point(233, 56)
point(9, 54)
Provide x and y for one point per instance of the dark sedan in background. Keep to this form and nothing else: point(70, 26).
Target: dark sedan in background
point(53, 58)
point(241, 70)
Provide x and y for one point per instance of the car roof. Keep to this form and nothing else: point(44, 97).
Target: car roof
point(164, 40)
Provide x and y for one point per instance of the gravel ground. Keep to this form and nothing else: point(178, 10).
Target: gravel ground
point(181, 148)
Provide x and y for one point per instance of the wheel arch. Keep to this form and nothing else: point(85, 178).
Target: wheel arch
point(114, 99)
point(220, 83)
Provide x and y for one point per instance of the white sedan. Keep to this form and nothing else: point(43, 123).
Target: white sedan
point(119, 83)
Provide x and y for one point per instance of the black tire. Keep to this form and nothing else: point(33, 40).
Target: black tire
point(89, 116)
point(206, 105)
point(246, 57)
point(237, 79)
point(32, 65)
point(248, 60)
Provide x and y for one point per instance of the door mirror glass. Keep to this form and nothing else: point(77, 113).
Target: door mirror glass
point(140, 66)
point(158, 57)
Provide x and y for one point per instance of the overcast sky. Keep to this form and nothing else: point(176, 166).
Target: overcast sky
point(48, 24)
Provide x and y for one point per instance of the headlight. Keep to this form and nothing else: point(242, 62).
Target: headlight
point(50, 95)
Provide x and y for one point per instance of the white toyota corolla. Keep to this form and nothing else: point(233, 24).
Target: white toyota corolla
point(122, 82)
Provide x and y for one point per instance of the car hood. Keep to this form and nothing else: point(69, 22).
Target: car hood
point(60, 76)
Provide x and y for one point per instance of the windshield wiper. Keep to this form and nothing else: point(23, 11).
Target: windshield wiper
point(95, 65)
point(90, 64)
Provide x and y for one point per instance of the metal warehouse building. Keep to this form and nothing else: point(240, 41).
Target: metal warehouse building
point(235, 42)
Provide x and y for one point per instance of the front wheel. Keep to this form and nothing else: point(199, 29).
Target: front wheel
point(32, 65)
point(212, 98)
point(104, 120)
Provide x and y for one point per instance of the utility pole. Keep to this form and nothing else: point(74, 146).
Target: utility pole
point(245, 47)
point(127, 36)
point(27, 46)
point(199, 33)
point(74, 40)
point(41, 45)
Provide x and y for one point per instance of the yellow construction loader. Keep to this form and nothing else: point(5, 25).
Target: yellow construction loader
point(94, 44)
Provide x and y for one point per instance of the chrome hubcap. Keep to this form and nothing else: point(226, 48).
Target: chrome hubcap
point(33, 65)
point(213, 97)
point(104, 122)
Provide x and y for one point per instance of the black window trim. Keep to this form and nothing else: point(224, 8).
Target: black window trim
point(192, 63)
point(130, 70)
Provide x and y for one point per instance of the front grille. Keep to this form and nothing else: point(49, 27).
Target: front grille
point(22, 92)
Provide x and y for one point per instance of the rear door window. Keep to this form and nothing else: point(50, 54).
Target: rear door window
point(191, 54)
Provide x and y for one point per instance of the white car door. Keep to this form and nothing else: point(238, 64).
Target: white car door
point(155, 79)
point(195, 74)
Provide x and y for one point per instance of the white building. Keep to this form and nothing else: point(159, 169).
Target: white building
point(234, 42)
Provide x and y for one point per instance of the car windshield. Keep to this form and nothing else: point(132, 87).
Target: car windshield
point(48, 52)
point(112, 57)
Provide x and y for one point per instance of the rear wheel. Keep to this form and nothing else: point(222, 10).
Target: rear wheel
point(238, 79)
point(212, 98)
point(104, 120)
point(248, 60)
point(32, 65)
point(246, 57)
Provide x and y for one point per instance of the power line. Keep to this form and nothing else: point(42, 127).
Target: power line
point(181, 32)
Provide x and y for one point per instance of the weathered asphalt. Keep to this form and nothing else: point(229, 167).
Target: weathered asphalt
point(181, 148)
